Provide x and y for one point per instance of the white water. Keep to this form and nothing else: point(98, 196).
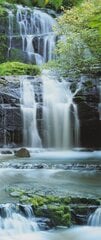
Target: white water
point(15, 226)
point(10, 15)
point(29, 107)
point(60, 114)
point(35, 31)
point(12, 222)
point(95, 218)
point(82, 233)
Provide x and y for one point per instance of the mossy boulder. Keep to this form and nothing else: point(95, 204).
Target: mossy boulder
point(60, 211)
point(57, 213)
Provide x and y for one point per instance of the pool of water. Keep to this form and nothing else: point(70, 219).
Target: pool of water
point(52, 172)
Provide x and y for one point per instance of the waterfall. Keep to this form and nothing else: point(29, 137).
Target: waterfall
point(10, 30)
point(95, 218)
point(58, 111)
point(34, 28)
point(16, 219)
point(29, 108)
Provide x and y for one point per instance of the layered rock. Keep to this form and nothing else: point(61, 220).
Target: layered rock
point(88, 99)
point(11, 122)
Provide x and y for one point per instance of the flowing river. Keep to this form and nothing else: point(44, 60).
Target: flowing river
point(62, 173)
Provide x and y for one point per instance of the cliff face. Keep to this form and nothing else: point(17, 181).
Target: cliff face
point(11, 121)
point(11, 117)
point(3, 34)
point(10, 114)
point(88, 101)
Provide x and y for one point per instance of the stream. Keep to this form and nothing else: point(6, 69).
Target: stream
point(61, 173)
point(76, 173)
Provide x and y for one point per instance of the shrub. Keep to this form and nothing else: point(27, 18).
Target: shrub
point(17, 68)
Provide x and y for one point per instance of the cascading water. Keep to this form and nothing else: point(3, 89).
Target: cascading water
point(13, 222)
point(10, 30)
point(95, 218)
point(18, 222)
point(29, 107)
point(60, 114)
point(58, 109)
point(35, 30)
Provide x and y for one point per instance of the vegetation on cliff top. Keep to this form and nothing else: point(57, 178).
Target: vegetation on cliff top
point(55, 4)
point(17, 68)
point(80, 28)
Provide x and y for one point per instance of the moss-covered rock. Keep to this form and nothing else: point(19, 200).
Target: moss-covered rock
point(63, 211)
point(3, 31)
point(57, 213)
point(3, 48)
point(86, 201)
point(18, 68)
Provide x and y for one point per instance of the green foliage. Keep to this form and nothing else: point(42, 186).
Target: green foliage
point(81, 41)
point(17, 68)
point(55, 4)
point(71, 3)
point(3, 13)
point(3, 47)
point(57, 209)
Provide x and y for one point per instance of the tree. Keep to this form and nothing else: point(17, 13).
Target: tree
point(80, 28)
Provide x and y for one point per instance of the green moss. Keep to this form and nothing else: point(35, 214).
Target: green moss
point(57, 209)
point(3, 48)
point(38, 201)
point(59, 214)
point(88, 84)
point(17, 68)
point(3, 11)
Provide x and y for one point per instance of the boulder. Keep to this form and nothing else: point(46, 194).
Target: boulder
point(23, 152)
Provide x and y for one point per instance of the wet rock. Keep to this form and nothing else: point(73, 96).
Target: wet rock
point(6, 152)
point(43, 223)
point(40, 166)
point(58, 214)
point(15, 194)
point(23, 152)
point(81, 213)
